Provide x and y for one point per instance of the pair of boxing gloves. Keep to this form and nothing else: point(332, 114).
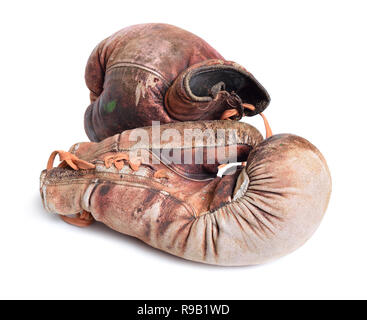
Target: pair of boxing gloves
point(159, 183)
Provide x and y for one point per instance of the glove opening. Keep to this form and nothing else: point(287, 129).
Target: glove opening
point(206, 82)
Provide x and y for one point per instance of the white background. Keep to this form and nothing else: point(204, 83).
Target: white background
point(310, 55)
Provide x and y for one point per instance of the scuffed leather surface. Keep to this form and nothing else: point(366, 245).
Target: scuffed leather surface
point(197, 219)
point(135, 67)
point(129, 73)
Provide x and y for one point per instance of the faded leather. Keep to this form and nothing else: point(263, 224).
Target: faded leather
point(163, 73)
point(258, 213)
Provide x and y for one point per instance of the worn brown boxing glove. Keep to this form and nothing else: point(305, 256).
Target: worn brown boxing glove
point(144, 183)
point(163, 73)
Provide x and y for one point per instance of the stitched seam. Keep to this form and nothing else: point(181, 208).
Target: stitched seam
point(137, 65)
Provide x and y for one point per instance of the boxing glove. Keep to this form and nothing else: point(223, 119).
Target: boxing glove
point(159, 184)
point(163, 73)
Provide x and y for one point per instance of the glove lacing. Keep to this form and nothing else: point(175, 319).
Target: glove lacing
point(84, 218)
point(226, 115)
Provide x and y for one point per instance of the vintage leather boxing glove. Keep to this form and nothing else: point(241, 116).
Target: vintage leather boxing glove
point(257, 213)
point(160, 72)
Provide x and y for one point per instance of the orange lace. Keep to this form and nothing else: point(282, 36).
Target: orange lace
point(70, 159)
point(268, 131)
point(83, 219)
point(162, 173)
point(119, 161)
point(226, 115)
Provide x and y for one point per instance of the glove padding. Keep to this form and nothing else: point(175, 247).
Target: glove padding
point(163, 73)
point(257, 213)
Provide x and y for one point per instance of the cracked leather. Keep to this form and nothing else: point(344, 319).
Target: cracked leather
point(250, 215)
point(158, 72)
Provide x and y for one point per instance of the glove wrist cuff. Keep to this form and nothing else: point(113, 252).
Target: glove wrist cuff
point(206, 89)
